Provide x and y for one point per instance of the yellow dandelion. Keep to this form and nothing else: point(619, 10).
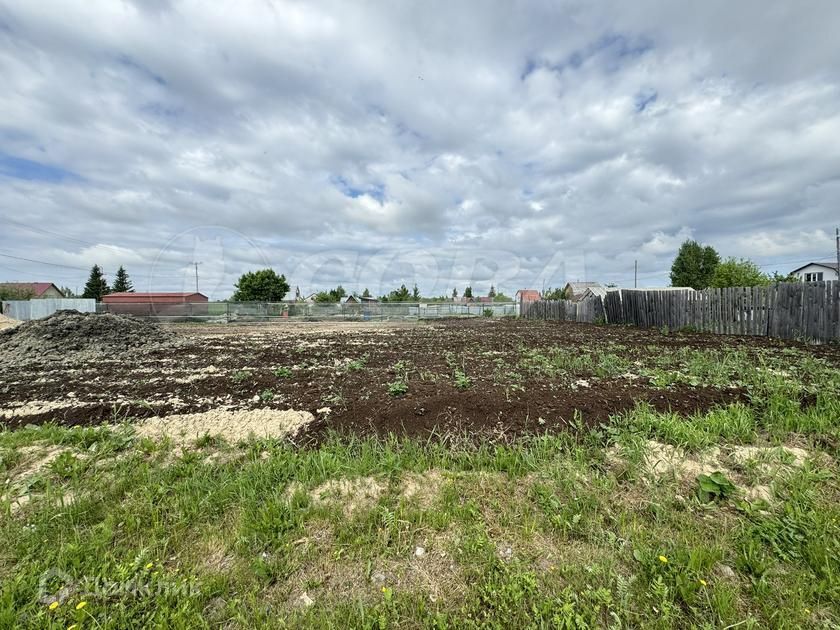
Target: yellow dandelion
point(703, 583)
point(150, 565)
point(384, 589)
point(663, 559)
point(81, 605)
point(54, 605)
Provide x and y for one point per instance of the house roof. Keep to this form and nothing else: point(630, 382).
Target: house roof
point(582, 286)
point(37, 288)
point(827, 265)
point(528, 295)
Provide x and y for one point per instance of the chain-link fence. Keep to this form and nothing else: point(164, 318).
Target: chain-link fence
point(300, 311)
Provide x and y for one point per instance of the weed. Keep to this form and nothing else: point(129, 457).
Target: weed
point(283, 372)
point(267, 395)
point(714, 487)
point(240, 376)
point(462, 381)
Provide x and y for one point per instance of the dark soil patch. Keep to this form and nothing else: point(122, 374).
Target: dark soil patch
point(349, 372)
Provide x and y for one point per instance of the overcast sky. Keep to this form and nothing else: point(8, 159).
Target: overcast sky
point(444, 143)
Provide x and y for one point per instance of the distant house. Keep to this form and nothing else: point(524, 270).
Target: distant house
point(156, 303)
point(33, 290)
point(351, 299)
point(574, 290)
point(816, 272)
point(526, 295)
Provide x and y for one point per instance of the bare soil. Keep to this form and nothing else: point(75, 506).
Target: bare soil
point(340, 375)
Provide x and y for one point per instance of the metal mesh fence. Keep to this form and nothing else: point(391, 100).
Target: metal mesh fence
point(278, 311)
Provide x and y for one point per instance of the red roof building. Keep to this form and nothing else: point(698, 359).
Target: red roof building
point(527, 295)
point(156, 304)
point(157, 298)
point(35, 290)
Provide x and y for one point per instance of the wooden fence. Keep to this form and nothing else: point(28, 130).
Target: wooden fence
point(789, 310)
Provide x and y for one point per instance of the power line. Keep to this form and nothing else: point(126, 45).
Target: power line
point(42, 262)
point(34, 228)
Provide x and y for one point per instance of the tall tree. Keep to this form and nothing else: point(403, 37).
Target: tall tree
point(96, 286)
point(415, 292)
point(738, 273)
point(263, 285)
point(122, 283)
point(366, 293)
point(468, 292)
point(694, 265)
point(492, 292)
point(399, 295)
point(454, 293)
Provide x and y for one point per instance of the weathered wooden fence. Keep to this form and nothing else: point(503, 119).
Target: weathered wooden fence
point(790, 310)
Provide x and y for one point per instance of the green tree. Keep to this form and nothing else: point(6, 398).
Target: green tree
point(468, 293)
point(492, 292)
point(263, 285)
point(398, 295)
point(415, 292)
point(366, 293)
point(738, 273)
point(332, 296)
point(554, 294)
point(11, 292)
point(67, 292)
point(122, 283)
point(96, 286)
point(454, 293)
point(501, 297)
point(778, 277)
point(694, 265)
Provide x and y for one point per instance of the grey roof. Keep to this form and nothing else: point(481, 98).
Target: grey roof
point(829, 265)
point(582, 286)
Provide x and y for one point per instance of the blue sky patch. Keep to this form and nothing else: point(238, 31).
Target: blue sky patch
point(21, 168)
point(377, 191)
point(644, 98)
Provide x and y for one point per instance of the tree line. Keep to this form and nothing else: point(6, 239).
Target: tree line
point(700, 267)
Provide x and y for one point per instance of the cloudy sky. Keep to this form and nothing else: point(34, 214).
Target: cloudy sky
point(444, 143)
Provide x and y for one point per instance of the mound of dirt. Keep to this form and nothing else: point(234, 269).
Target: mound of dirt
point(70, 334)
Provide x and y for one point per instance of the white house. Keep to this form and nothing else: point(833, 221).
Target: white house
point(816, 272)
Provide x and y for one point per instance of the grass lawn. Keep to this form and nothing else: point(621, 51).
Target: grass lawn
point(728, 518)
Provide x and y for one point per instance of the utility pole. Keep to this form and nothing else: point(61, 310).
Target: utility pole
point(196, 274)
point(837, 244)
point(635, 274)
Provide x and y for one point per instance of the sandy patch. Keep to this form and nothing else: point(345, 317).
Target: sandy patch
point(352, 494)
point(662, 461)
point(233, 426)
point(35, 407)
point(424, 488)
point(36, 458)
point(7, 322)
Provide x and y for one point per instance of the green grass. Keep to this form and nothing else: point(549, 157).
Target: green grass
point(573, 530)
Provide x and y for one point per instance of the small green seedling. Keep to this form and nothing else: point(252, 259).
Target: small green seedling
point(398, 388)
point(241, 375)
point(266, 395)
point(283, 372)
point(714, 487)
point(462, 381)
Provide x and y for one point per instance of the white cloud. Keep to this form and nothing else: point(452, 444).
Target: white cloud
point(599, 132)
